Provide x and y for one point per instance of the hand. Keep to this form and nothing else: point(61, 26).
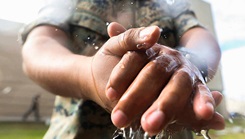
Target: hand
point(162, 90)
point(111, 53)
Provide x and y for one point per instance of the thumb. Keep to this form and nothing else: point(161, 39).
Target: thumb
point(131, 39)
point(115, 29)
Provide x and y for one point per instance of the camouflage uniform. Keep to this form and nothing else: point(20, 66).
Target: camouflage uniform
point(85, 21)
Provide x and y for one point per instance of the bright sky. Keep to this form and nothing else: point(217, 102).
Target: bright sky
point(22, 11)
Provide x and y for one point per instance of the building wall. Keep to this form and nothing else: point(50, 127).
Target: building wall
point(16, 90)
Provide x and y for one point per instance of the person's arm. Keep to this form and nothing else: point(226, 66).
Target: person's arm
point(205, 46)
point(48, 62)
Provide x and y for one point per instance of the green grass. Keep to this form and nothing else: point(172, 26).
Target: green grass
point(21, 130)
point(29, 130)
point(235, 130)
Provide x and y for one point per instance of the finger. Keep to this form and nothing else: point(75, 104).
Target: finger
point(203, 102)
point(171, 102)
point(217, 97)
point(115, 29)
point(124, 73)
point(127, 69)
point(130, 40)
point(144, 89)
point(217, 122)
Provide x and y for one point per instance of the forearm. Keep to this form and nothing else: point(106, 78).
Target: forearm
point(54, 67)
point(203, 44)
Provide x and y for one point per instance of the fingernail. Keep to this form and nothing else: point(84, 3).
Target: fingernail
point(111, 94)
point(119, 118)
point(155, 119)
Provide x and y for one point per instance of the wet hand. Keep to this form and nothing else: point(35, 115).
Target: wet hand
point(161, 92)
point(121, 42)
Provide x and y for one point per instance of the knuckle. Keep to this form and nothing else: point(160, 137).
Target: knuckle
point(131, 57)
point(157, 66)
point(166, 63)
point(173, 52)
point(185, 78)
point(128, 37)
point(138, 56)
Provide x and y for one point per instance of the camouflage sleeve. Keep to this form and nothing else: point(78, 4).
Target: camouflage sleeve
point(184, 17)
point(93, 15)
point(53, 12)
point(186, 21)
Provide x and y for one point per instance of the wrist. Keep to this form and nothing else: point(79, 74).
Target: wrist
point(85, 79)
point(199, 62)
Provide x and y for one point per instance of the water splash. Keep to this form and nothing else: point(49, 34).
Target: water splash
point(203, 133)
point(139, 133)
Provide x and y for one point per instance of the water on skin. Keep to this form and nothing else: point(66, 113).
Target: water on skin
point(135, 131)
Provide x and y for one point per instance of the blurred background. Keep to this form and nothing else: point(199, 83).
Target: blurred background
point(225, 18)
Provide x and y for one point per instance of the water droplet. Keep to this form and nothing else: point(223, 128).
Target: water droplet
point(170, 2)
point(139, 46)
point(165, 36)
point(188, 56)
point(96, 47)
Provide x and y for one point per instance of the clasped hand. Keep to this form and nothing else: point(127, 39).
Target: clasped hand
point(134, 77)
